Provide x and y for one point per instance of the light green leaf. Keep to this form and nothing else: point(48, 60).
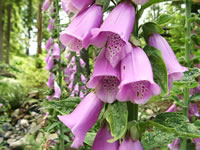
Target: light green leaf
point(89, 138)
point(195, 97)
point(164, 18)
point(103, 3)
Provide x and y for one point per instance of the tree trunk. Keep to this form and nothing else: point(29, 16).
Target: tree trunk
point(9, 9)
point(1, 31)
point(29, 25)
point(39, 26)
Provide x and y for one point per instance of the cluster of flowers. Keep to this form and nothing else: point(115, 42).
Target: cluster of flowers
point(53, 55)
point(71, 73)
point(122, 71)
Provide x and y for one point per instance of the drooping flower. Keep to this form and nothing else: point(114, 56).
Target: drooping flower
point(78, 33)
point(56, 51)
point(175, 70)
point(70, 86)
point(83, 78)
point(137, 84)
point(50, 63)
point(46, 5)
point(49, 44)
point(105, 79)
point(140, 2)
point(129, 144)
point(83, 118)
point(82, 63)
point(175, 145)
point(101, 140)
point(76, 88)
point(50, 81)
point(115, 32)
point(75, 5)
point(57, 91)
point(51, 24)
point(81, 95)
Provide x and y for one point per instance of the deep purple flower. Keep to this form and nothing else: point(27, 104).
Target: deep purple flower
point(51, 24)
point(50, 81)
point(175, 145)
point(140, 2)
point(46, 5)
point(101, 140)
point(105, 79)
point(137, 84)
point(175, 70)
point(57, 91)
point(50, 63)
point(115, 32)
point(78, 33)
point(83, 118)
point(129, 144)
point(56, 51)
point(49, 44)
point(75, 5)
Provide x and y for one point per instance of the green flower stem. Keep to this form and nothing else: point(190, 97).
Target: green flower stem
point(187, 58)
point(132, 111)
point(61, 136)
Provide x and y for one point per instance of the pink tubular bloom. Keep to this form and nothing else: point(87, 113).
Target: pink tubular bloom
point(105, 79)
point(50, 81)
point(82, 63)
point(49, 44)
point(57, 91)
point(172, 108)
point(100, 141)
point(76, 88)
point(78, 33)
point(83, 118)
point(137, 84)
point(197, 143)
point(175, 70)
point(115, 32)
point(56, 51)
point(175, 145)
point(140, 2)
point(51, 24)
point(83, 78)
point(193, 110)
point(46, 5)
point(129, 144)
point(75, 5)
point(50, 63)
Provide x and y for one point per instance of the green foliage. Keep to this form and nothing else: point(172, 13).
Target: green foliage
point(117, 117)
point(159, 68)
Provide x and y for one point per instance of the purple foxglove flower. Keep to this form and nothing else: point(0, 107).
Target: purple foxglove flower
point(175, 145)
point(83, 78)
point(74, 68)
point(83, 88)
point(52, 10)
point(81, 95)
point(56, 51)
point(46, 5)
point(75, 5)
point(50, 63)
point(49, 44)
point(140, 2)
point(82, 63)
point(51, 24)
point(68, 55)
point(47, 57)
point(113, 35)
point(100, 141)
point(1, 105)
point(78, 33)
point(137, 84)
point(197, 143)
point(83, 118)
point(76, 88)
point(105, 79)
point(50, 81)
point(193, 110)
point(175, 70)
point(73, 60)
point(129, 144)
point(72, 94)
point(72, 77)
point(195, 90)
point(70, 86)
point(57, 91)
point(172, 108)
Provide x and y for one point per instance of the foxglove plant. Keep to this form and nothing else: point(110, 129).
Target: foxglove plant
point(112, 35)
point(46, 5)
point(78, 33)
point(140, 2)
point(129, 144)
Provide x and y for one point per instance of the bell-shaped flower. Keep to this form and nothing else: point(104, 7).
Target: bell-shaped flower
point(115, 32)
point(140, 2)
point(76, 88)
point(193, 110)
point(83, 78)
point(75, 5)
point(101, 140)
point(129, 144)
point(83, 118)
point(50, 63)
point(105, 79)
point(78, 33)
point(70, 86)
point(46, 5)
point(56, 51)
point(82, 63)
point(175, 145)
point(47, 57)
point(175, 70)
point(57, 91)
point(197, 143)
point(137, 84)
point(51, 24)
point(81, 95)
point(49, 44)
point(67, 55)
point(50, 81)
point(73, 60)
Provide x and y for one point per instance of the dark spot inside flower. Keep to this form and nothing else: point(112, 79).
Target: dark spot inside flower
point(138, 93)
point(124, 67)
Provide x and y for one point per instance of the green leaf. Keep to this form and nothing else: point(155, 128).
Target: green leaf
point(117, 117)
point(103, 3)
point(135, 40)
point(150, 28)
point(89, 138)
point(189, 78)
point(164, 18)
point(159, 68)
point(195, 97)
